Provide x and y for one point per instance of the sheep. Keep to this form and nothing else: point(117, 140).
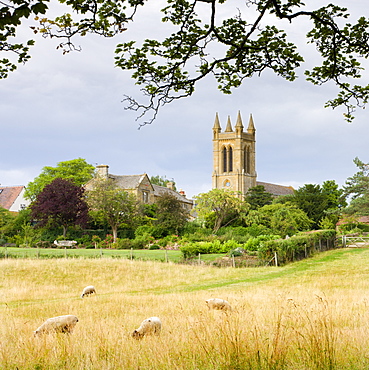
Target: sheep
point(218, 304)
point(88, 290)
point(152, 325)
point(59, 324)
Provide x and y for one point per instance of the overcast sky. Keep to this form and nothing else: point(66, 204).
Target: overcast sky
point(61, 107)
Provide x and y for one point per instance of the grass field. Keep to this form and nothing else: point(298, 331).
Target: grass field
point(311, 314)
point(139, 254)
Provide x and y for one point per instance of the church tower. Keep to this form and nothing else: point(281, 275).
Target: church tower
point(234, 156)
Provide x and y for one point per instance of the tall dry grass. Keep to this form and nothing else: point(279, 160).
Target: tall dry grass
point(310, 315)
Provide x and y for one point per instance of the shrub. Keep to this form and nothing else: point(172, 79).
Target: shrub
point(125, 243)
point(43, 244)
point(193, 249)
point(253, 244)
point(154, 246)
point(143, 230)
point(297, 247)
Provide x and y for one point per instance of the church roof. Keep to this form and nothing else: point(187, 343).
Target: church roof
point(275, 189)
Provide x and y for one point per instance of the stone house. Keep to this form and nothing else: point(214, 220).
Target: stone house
point(140, 186)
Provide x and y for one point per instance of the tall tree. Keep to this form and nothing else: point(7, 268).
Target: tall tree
point(115, 206)
point(320, 202)
point(206, 39)
point(357, 187)
point(60, 203)
point(77, 171)
point(257, 197)
point(220, 204)
point(171, 215)
point(312, 201)
point(283, 219)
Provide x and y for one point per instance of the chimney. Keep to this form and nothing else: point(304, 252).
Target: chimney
point(102, 171)
point(182, 193)
point(170, 185)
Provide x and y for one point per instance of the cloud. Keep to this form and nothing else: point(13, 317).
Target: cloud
point(57, 108)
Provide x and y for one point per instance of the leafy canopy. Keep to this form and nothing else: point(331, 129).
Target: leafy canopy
point(231, 40)
point(161, 181)
point(283, 219)
point(258, 197)
point(357, 187)
point(319, 202)
point(77, 171)
point(60, 203)
point(220, 204)
point(110, 203)
point(170, 213)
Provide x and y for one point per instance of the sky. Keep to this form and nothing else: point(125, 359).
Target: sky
point(61, 107)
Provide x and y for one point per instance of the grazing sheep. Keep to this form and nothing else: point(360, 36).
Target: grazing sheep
point(59, 324)
point(218, 304)
point(152, 325)
point(88, 290)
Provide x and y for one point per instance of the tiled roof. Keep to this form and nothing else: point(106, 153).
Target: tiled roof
point(8, 195)
point(127, 181)
point(160, 190)
point(276, 189)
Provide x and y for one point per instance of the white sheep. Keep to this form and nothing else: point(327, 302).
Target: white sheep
point(88, 290)
point(59, 324)
point(218, 304)
point(152, 325)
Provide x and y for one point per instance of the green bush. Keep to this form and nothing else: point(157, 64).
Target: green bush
point(154, 246)
point(216, 246)
point(43, 244)
point(253, 244)
point(125, 243)
point(144, 230)
point(297, 247)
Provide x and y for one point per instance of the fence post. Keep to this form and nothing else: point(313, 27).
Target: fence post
point(233, 262)
point(344, 241)
point(131, 254)
point(199, 259)
point(276, 258)
point(6, 252)
point(65, 252)
point(166, 256)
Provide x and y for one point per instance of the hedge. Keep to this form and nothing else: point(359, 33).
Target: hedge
point(297, 247)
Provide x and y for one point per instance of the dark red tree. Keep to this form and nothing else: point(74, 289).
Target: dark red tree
point(60, 203)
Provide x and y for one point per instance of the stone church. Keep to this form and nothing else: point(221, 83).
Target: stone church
point(234, 159)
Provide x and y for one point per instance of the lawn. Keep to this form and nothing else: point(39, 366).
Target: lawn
point(139, 254)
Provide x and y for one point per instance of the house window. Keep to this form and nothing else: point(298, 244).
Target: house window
point(230, 159)
point(22, 206)
point(145, 197)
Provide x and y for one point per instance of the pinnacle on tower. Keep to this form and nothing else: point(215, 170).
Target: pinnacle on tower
point(239, 125)
point(216, 123)
point(251, 128)
point(229, 126)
